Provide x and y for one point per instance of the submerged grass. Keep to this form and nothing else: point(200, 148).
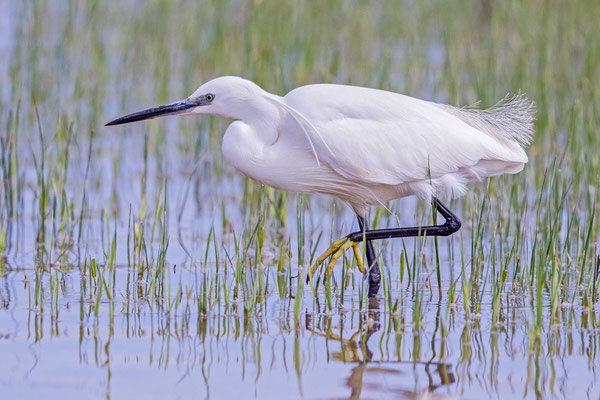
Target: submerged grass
point(78, 200)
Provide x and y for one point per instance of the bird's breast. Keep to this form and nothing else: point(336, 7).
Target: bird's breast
point(246, 149)
point(240, 146)
point(282, 164)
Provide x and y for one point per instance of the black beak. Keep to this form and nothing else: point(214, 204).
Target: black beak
point(169, 109)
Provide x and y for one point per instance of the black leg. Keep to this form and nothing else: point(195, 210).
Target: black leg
point(372, 266)
point(451, 225)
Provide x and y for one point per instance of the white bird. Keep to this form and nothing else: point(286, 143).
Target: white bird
point(364, 146)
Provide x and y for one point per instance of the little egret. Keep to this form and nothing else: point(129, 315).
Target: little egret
point(364, 146)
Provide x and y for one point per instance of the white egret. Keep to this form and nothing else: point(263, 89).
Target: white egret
point(361, 145)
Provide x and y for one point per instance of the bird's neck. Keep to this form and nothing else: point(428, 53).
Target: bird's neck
point(264, 118)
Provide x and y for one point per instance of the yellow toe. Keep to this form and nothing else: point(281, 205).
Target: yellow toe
point(335, 251)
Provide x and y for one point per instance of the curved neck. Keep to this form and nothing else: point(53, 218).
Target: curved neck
point(262, 115)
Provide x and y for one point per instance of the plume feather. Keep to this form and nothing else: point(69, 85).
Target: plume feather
point(511, 118)
point(303, 122)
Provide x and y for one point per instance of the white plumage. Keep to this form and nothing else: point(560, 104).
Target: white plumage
point(370, 146)
point(364, 146)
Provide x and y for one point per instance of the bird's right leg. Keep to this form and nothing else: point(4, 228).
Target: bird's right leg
point(372, 266)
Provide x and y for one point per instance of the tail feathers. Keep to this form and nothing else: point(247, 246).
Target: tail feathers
point(511, 118)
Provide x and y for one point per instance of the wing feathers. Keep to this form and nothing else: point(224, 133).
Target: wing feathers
point(381, 137)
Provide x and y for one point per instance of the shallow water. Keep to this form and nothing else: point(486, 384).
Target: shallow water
point(148, 351)
point(136, 263)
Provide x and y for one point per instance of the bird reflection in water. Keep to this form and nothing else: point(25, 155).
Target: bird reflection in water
point(355, 349)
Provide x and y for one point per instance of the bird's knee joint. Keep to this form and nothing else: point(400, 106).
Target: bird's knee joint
point(453, 225)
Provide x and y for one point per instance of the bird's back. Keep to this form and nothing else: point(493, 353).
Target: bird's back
point(381, 137)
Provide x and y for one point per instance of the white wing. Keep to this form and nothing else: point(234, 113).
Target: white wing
point(376, 136)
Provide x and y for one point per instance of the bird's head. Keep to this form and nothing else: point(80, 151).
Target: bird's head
point(227, 96)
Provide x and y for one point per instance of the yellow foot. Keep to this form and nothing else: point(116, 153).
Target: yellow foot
point(336, 250)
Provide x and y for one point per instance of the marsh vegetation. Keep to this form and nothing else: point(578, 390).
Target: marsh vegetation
point(135, 262)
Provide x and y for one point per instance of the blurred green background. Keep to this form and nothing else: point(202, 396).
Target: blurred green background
point(132, 202)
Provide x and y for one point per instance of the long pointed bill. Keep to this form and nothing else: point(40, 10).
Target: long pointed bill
point(169, 109)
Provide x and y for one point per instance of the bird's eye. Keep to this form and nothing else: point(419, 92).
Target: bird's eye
point(209, 97)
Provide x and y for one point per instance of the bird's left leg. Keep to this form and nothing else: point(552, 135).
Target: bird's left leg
point(451, 226)
point(336, 250)
point(338, 247)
